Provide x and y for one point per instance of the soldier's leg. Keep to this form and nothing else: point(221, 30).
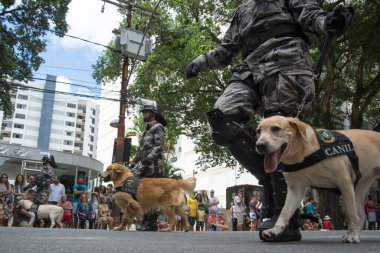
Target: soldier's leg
point(282, 96)
point(230, 128)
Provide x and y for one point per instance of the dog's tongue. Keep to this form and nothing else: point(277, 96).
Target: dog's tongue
point(271, 162)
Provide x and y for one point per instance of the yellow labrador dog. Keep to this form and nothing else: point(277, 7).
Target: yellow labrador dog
point(164, 193)
point(289, 141)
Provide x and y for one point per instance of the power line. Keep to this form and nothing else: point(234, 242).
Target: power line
point(57, 67)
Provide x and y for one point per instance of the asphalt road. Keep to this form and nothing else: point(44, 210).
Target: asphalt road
point(45, 240)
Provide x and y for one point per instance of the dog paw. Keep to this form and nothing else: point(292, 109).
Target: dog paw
point(270, 234)
point(350, 238)
point(117, 228)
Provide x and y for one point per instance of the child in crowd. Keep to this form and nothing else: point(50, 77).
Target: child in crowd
point(200, 220)
point(162, 222)
point(221, 223)
point(212, 221)
point(326, 223)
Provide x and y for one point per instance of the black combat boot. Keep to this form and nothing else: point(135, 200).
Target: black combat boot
point(149, 223)
point(292, 231)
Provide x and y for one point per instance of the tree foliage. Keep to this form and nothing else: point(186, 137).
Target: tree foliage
point(24, 25)
point(186, 29)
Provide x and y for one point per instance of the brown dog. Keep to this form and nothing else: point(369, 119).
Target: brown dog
point(164, 193)
point(289, 141)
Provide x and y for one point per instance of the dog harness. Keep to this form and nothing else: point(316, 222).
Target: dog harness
point(34, 209)
point(130, 186)
point(331, 144)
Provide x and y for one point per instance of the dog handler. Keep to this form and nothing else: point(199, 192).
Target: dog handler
point(44, 179)
point(276, 73)
point(148, 159)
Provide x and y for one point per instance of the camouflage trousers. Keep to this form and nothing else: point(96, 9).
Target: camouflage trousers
point(42, 195)
point(279, 92)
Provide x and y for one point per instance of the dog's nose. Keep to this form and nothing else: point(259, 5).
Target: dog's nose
point(261, 146)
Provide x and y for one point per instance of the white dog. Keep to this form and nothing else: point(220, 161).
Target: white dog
point(53, 212)
point(292, 142)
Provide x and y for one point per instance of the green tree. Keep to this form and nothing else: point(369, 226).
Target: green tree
point(351, 74)
point(24, 25)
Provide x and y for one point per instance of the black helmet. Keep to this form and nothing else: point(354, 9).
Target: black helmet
point(152, 106)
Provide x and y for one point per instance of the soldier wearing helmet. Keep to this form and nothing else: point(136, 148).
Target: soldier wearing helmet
point(148, 160)
point(44, 179)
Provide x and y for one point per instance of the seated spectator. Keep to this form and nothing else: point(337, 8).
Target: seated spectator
point(162, 222)
point(84, 211)
point(8, 212)
point(2, 209)
point(67, 210)
point(6, 189)
point(21, 216)
point(18, 188)
point(212, 221)
point(104, 214)
point(221, 223)
point(309, 225)
point(326, 223)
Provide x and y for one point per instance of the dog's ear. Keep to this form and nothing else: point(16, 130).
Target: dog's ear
point(118, 168)
point(299, 126)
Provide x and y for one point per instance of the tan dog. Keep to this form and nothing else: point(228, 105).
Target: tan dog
point(164, 193)
point(289, 141)
point(53, 212)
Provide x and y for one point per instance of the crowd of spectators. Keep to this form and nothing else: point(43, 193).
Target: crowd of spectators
point(87, 209)
point(96, 210)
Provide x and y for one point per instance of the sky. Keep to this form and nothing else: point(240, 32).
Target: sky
point(71, 59)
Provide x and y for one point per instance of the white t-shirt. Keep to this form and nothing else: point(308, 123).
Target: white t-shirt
point(56, 192)
point(215, 207)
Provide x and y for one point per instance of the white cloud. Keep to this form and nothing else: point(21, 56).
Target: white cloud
point(88, 22)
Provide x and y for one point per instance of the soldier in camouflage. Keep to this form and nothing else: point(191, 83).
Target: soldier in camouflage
point(276, 73)
point(148, 160)
point(44, 179)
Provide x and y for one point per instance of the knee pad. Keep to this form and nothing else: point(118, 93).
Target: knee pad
point(223, 127)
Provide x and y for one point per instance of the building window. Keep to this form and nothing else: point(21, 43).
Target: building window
point(91, 138)
point(92, 130)
point(93, 111)
point(93, 120)
point(17, 136)
point(69, 123)
point(68, 133)
point(66, 142)
point(20, 116)
point(71, 105)
point(20, 126)
point(70, 114)
point(20, 106)
point(23, 97)
point(91, 147)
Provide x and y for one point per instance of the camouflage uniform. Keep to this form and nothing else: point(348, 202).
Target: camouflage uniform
point(43, 181)
point(151, 146)
point(275, 73)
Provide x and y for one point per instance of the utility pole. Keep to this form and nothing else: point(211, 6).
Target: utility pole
point(130, 6)
point(123, 99)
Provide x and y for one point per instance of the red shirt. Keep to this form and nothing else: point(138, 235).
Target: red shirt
point(221, 221)
point(326, 224)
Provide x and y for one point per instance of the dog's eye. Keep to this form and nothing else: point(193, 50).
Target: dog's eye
point(258, 131)
point(275, 129)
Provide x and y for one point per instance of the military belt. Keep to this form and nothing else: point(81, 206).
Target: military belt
point(285, 30)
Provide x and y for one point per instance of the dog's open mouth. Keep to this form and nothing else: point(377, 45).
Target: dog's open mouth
point(106, 178)
point(271, 160)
